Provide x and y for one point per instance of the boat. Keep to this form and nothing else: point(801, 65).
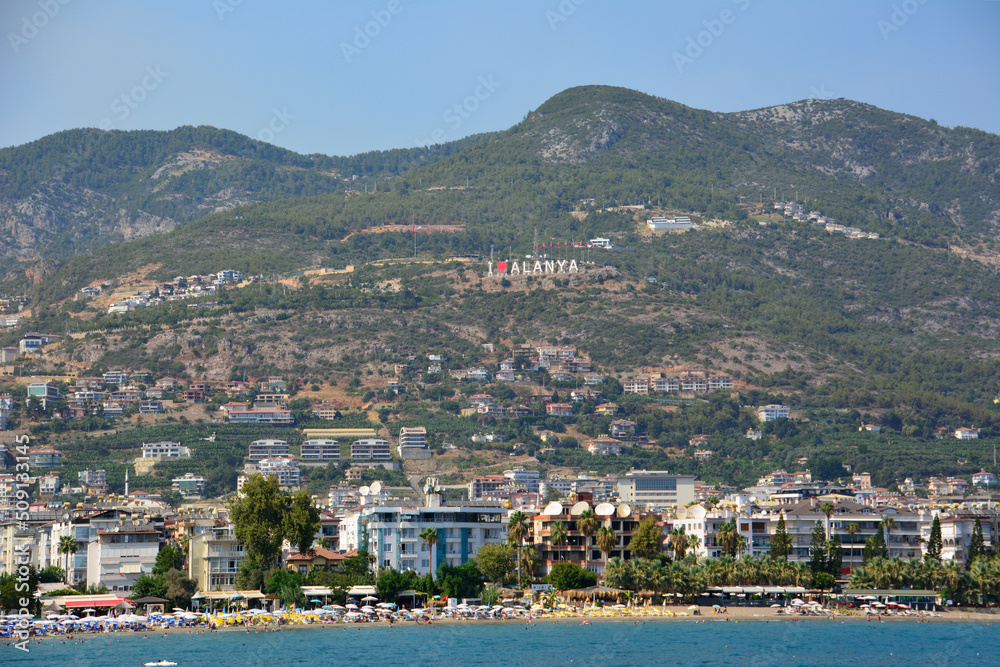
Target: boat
point(159, 663)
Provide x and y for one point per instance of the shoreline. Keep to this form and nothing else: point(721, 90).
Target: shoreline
point(733, 615)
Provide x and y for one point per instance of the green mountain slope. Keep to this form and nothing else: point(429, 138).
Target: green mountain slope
point(78, 190)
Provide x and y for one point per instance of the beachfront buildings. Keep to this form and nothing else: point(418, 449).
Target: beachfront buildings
point(118, 556)
point(655, 490)
point(391, 532)
point(580, 548)
point(214, 557)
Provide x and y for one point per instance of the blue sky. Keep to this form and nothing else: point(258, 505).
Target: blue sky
point(305, 76)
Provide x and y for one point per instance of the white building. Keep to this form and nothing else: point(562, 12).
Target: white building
point(282, 469)
point(964, 433)
point(214, 558)
point(529, 479)
point(165, 450)
point(266, 449)
point(655, 489)
point(371, 448)
point(412, 438)
point(117, 557)
point(391, 532)
point(320, 450)
point(190, 486)
point(771, 412)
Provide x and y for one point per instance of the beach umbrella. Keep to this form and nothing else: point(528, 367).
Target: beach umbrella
point(693, 607)
point(315, 601)
point(797, 602)
point(775, 606)
point(369, 598)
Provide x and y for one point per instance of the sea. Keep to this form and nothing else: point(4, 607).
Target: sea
point(816, 642)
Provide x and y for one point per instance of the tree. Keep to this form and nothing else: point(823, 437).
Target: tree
point(976, 546)
point(390, 582)
point(834, 556)
point(781, 542)
point(887, 524)
point(495, 562)
point(607, 540)
point(827, 509)
point(172, 498)
point(180, 587)
point(301, 522)
point(817, 549)
point(51, 575)
point(587, 524)
point(567, 576)
point(823, 580)
point(647, 539)
point(518, 526)
point(148, 585)
point(678, 542)
point(169, 558)
point(529, 561)
point(358, 569)
point(852, 530)
point(430, 537)
point(67, 547)
point(558, 534)
point(935, 543)
point(729, 538)
point(258, 518)
point(460, 581)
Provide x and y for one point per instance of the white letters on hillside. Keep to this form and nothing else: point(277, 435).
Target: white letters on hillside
point(540, 268)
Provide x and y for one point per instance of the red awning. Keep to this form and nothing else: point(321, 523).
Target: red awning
point(84, 603)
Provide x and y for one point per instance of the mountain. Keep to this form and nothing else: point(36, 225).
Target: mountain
point(79, 190)
point(899, 330)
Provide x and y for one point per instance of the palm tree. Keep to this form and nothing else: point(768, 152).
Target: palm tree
point(827, 509)
point(888, 523)
point(678, 542)
point(607, 540)
point(728, 538)
point(587, 524)
point(430, 537)
point(67, 547)
point(693, 543)
point(528, 561)
point(518, 527)
point(558, 534)
point(852, 530)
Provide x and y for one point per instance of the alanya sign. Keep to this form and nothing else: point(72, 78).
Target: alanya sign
point(539, 267)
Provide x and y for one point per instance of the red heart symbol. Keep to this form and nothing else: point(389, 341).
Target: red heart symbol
point(502, 267)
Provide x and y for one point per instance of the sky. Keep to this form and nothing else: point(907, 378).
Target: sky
point(341, 78)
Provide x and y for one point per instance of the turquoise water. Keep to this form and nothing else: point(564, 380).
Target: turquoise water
point(602, 643)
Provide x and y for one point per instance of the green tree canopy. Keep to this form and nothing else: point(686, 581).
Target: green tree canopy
point(647, 539)
point(495, 562)
point(566, 576)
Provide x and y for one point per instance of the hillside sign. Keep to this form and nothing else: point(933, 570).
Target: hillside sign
point(538, 268)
